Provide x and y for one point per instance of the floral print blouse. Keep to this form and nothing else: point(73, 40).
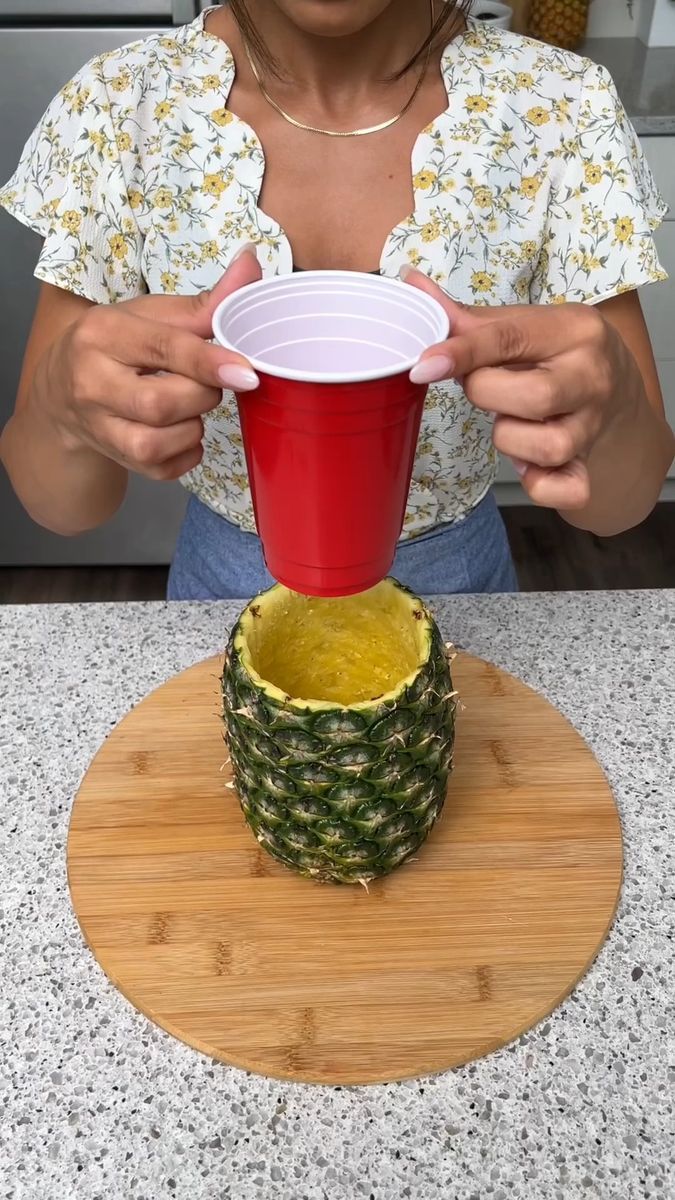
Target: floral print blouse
point(530, 188)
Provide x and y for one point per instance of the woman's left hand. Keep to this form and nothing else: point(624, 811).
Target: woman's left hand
point(557, 379)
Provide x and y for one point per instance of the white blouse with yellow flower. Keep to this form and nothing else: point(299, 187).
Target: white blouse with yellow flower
point(529, 187)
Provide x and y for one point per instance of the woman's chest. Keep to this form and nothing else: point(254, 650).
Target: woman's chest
point(337, 200)
point(471, 213)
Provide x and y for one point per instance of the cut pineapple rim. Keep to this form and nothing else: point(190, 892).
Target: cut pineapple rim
point(319, 653)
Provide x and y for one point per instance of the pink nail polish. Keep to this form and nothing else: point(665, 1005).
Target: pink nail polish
point(238, 378)
point(430, 370)
point(249, 248)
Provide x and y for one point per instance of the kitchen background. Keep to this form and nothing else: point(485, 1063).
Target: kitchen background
point(44, 42)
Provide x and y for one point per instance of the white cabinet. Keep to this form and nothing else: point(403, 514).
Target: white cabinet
point(667, 377)
point(660, 154)
point(658, 302)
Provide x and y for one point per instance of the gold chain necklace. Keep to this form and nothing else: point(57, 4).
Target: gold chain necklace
point(334, 132)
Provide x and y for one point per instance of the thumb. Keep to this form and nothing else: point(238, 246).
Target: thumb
point(244, 268)
point(195, 313)
point(463, 317)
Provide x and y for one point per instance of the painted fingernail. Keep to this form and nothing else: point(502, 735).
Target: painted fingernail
point(519, 466)
point(249, 248)
point(237, 378)
point(430, 370)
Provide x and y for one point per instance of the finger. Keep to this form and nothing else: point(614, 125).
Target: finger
point(517, 336)
point(569, 383)
point(490, 345)
point(163, 400)
point(531, 393)
point(567, 488)
point(524, 337)
point(543, 318)
point(195, 313)
point(174, 468)
point(546, 443)
point(171, 468)
point(159, 346)
point(142, 448)
point(463, 316)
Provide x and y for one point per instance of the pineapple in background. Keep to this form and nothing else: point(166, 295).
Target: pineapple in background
point(559, 22)
point(340, 718)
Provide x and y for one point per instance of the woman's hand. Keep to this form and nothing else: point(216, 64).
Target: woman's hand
point(115, 388)
point(565, 389)
point(132, 381)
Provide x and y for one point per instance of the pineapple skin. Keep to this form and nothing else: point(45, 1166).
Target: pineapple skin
point(342, 794)
point(559, 22)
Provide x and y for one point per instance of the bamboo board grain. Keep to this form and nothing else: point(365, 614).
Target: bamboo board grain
point(447, 959)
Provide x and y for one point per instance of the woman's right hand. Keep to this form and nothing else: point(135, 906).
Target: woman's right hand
point(132, 381)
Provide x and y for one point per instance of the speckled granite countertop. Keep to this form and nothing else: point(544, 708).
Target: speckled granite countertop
point(97, 1104)
point(645, 80)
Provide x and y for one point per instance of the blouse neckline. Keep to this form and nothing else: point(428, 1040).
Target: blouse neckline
point(449, 58)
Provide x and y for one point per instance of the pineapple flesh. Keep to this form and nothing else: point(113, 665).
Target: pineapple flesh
point(339, 719)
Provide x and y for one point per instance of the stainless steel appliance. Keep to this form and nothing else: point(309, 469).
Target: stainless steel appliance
point(42, 45)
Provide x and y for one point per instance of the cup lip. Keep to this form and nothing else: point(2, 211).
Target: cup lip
point(301, 279)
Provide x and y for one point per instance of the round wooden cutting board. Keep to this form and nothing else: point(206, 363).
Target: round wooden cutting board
point(450, 957)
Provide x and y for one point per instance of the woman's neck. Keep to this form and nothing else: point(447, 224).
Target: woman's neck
point(331, 68)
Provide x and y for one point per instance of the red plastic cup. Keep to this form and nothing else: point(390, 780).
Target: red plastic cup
point(330, 435)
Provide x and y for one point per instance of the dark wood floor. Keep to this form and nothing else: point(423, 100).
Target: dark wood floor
point(51, 585)
point(549, 555)
point(552, 556)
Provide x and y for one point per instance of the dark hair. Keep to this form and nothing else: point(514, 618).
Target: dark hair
point(449, 15)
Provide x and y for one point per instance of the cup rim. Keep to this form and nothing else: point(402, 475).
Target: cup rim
point(302, 279)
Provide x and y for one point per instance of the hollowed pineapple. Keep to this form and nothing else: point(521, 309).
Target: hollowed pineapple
point(340, 720)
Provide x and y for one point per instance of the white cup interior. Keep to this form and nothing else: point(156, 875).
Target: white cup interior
point(330, 326)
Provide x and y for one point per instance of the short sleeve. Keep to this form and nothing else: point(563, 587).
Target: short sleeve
point(603, 207)
point(70, 188)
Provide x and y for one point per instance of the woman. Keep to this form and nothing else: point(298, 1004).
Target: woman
point(528, 203)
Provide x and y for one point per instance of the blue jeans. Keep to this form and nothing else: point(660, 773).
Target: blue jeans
point(215, 560)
